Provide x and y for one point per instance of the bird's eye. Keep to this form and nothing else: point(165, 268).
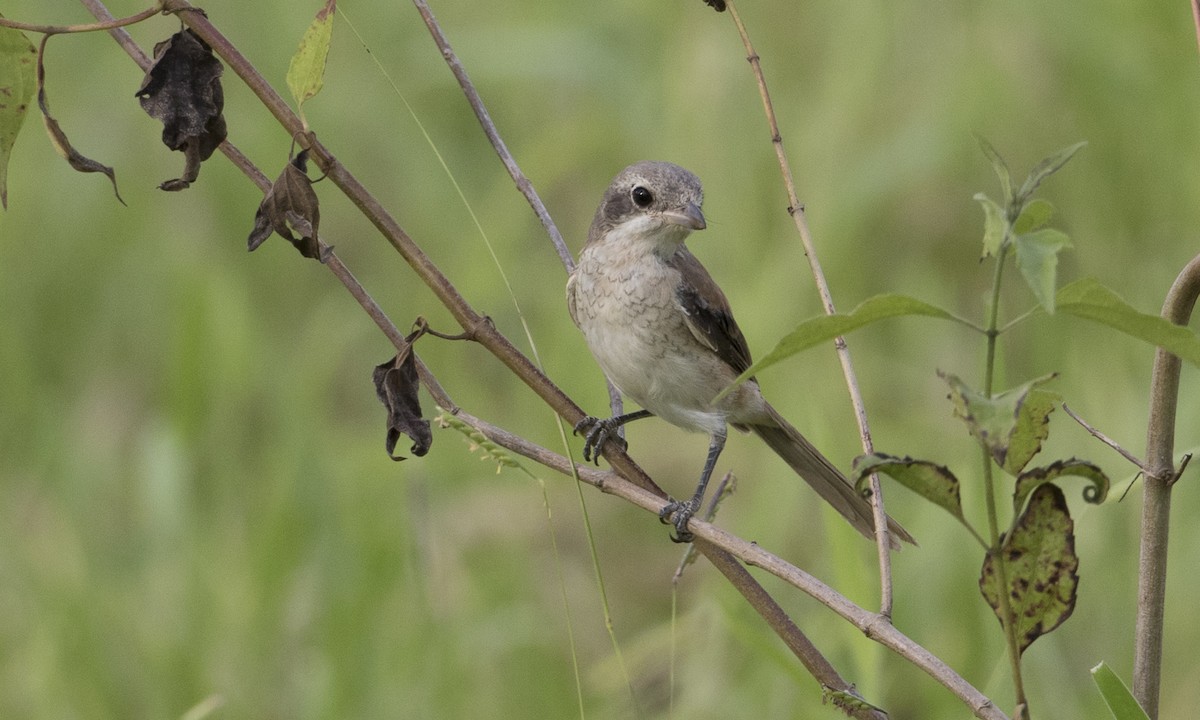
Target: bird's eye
point(642, 197)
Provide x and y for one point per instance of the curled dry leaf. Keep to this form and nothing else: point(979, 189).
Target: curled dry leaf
point(58, 137)
point(183, 90)
point(291, 209)
point(396, 384)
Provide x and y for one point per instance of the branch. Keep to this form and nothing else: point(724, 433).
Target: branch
point(1156, 504)
point(796, 210)
point(108, 23)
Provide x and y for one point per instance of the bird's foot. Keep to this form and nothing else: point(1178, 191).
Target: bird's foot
point(597, 433)
point(678, 514)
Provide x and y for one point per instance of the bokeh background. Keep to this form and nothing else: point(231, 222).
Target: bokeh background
point(195, 503)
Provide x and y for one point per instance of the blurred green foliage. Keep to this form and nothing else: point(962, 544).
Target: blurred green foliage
point(194, 496)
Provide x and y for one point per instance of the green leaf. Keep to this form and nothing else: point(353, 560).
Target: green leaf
point(1034, 216)
point(827, 327)
point(1087, 298)
point(1037, 258)
point(994, 227)
point(1120, 701)
point(1031, 428)
point(1000, 167)
point(1011, 425)
point(18, 77)
point(933, 482)
point(306, 73)
point(1046, 168)
point(1039, 563)
point(1028, 481)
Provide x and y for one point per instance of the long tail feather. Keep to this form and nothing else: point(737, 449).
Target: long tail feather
point(831, 484)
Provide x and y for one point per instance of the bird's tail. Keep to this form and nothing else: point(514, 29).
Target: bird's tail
point(831, 484)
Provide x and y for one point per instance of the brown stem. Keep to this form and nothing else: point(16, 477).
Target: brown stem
point(1156, 498)
point(108, 23)
point(493, 135)
point(796, 210)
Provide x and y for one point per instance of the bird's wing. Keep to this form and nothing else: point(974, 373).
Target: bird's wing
point(706, 311)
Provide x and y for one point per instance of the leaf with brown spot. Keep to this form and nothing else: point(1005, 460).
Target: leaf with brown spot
point(291, 209)
point(396, 384)
point(1031, 479)
point(58, 138)
point(1040, 562)
point(183, 90)
point(1011, 425)
point(18, 79)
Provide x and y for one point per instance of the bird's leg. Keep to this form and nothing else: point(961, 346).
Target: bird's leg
point(597, 432)
point(681, 512)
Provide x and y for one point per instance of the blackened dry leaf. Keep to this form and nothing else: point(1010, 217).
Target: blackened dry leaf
point(291, 209)
point(718, 5)
point(183, 90)
point(59, 138)
point(396, 384)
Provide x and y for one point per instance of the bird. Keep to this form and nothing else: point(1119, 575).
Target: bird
point(664, 335)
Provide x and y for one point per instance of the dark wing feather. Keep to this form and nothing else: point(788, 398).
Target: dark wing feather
point(707, 313)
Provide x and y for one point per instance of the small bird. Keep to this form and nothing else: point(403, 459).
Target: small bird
point(662, 331)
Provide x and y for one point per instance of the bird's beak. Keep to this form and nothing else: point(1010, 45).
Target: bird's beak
point(689, 217)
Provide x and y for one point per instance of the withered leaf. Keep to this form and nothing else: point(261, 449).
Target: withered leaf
point(396, 385)
point(718, 5)
point(183, 90)
point(58, 138)
point(1040, 565)
point(291, 209)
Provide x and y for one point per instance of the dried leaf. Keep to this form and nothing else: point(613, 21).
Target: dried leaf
point(18, 78)
point(718, 5)
point(58, 138)
point(291, 209)
point(1040, 564)
point(183, 90)
point(396, 384)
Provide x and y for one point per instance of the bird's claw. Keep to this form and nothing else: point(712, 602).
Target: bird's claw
point(597, 433)
point(678, 514)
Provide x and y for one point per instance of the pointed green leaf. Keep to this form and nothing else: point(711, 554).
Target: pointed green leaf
point(1120, 701)
point(1094, 493)
point(1000, 167)
point(994, 227)
point(1039, 564)
point(1037, 258)
point(1087, 298)
point(306, 73)
point(933, 482)
point(1046, 168)
point(1034, 216)
point(827, 327)
point(17, 81)
point(1010, 425)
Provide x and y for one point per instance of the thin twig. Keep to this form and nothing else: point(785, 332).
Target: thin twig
point(493, 135)
point(109, 23)
point(1105, 439)
point(796, 210)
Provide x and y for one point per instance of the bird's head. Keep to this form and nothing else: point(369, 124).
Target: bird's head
point(652, 202)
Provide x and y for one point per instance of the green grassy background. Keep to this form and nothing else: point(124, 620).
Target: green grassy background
point(194, 497)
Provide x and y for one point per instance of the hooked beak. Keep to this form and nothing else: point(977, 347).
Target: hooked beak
point(689, 217)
